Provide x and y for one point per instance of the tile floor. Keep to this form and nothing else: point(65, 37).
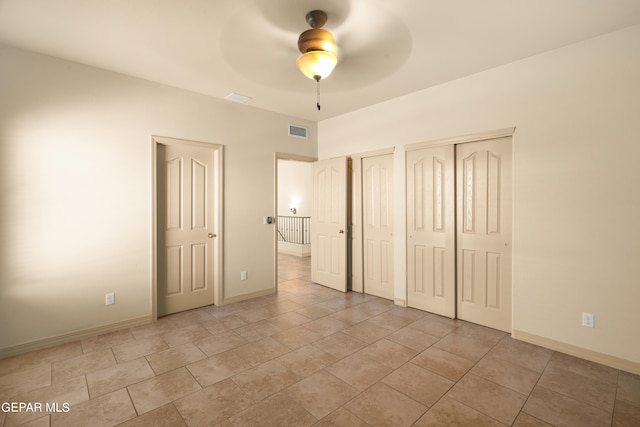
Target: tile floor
point(313, 356)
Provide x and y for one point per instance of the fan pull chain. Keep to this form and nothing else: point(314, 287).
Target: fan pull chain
point(318, 94)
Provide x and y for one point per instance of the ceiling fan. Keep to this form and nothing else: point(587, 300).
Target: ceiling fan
point(318, 49)
point(369, 42)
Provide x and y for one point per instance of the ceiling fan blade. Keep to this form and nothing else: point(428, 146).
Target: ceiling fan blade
point(371, 44)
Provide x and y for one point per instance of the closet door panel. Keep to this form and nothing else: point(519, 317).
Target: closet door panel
point(431, 230)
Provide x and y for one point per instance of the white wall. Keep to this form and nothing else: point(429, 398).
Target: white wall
point(294, 186)
point(576, 195)
point(76, 192)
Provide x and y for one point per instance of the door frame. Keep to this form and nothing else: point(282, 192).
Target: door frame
point(474, 137)
point(281, 156)
point(218, 158)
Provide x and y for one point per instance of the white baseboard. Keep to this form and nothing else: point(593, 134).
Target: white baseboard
point(583, 353)
point(73, 336)
point(244, 297)
point(400, 302)
point(294, 249)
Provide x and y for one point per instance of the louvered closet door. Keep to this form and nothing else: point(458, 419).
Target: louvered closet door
point(484, 232)
point(431, 230)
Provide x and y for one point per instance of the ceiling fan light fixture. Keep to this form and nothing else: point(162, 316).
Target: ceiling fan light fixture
point(317, 64)
point(318, 48)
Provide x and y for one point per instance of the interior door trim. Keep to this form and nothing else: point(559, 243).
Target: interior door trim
point(473, 137)
point(373, 153)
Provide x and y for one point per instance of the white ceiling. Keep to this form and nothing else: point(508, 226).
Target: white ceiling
point(386, 48)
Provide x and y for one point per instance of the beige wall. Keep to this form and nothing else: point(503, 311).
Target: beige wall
point(76, 201)
point(576, 197)
point(76, 192)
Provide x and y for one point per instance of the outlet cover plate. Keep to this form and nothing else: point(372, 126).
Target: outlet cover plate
point(587, 320)
point(109, 298)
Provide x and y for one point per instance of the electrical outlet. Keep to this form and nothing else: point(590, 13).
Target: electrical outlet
point(243, 275)
point(109, 298)
point(587, 320)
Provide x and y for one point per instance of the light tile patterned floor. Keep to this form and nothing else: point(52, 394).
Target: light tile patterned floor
point(313, 356)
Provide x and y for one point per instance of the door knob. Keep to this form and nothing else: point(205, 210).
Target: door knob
point(211, 235)
point(341, 231)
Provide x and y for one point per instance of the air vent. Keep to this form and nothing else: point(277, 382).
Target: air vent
point(298, 131)
point(235, 97)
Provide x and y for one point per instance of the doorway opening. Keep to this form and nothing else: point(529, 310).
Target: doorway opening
point(293, 196)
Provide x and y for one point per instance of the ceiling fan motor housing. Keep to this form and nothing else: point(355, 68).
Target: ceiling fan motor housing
point(316, 39)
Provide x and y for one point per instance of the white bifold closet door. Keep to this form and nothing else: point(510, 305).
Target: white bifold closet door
point(431, 252)
point(459, 231)
point(483, 239)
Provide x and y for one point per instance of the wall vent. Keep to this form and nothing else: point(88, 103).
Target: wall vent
point(298, 131)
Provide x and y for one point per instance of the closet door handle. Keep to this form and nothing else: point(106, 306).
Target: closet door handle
point(341, 231)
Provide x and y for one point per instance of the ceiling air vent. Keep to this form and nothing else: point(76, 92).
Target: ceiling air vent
point(236, 97)
point(298, 131)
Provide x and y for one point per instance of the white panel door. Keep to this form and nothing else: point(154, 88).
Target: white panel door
point(329, 224)
point(185, 180)
point(484, 232)
point(377, 235)
point(431, 253)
